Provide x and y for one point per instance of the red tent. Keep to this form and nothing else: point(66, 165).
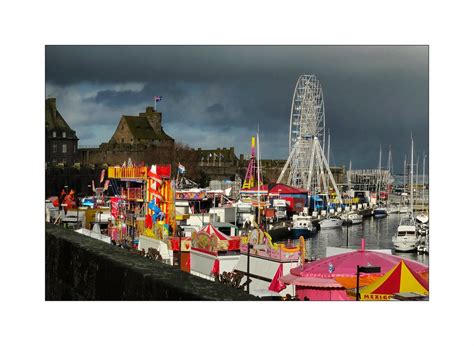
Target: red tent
point(328, 278)
point(400, 279)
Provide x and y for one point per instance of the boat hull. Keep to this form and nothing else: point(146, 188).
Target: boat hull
point(422, 218)
point(406, 239)
point(405, 246)
point(304, 232)
point(380, 212)
point(330, 223)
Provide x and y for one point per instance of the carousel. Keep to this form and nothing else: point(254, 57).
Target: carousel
point(213, 252)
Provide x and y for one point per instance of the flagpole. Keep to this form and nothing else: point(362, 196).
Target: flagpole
point(177, 175)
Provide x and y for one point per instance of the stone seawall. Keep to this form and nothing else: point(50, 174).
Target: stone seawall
point(81, 268)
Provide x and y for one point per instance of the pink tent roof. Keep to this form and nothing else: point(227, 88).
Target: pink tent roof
point(210, 229)
point(346, 264)
point(291, 279)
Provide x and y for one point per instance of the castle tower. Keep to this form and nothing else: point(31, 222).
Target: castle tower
point(154, 118)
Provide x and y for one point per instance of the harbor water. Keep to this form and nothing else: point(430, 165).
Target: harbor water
point(376, 232)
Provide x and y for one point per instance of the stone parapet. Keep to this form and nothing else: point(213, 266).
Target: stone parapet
point(82, 268)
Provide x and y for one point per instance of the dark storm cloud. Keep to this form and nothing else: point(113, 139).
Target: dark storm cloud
point(215, 108)
point(72, 64)
point(373, 95)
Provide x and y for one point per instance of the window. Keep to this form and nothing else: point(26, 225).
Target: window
point(64, 148)
point(54, 148)
point(64, 134)
point(122, 140)
point(54, 134)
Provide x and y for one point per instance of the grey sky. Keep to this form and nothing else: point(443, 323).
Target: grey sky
point(214, 96)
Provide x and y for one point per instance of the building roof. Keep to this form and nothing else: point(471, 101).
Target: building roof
point(227, 154)
point(141, 128)
point(54, 119)
point(210, 229)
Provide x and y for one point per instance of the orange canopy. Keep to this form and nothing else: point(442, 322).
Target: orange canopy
point(399, 279)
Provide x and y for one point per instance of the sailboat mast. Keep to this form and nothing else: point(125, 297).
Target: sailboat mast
point(423, 191)
point(416, 179)
point(404, 173)
point(389, 160)
point(258, 175)
point(379, 175)
point(349, 175)
point(411, 177)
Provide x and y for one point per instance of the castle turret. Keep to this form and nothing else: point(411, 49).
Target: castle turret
point(154, 118)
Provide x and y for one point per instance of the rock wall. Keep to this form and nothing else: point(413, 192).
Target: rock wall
point(81, 268)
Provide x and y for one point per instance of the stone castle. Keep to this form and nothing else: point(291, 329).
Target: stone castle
point(142, 139)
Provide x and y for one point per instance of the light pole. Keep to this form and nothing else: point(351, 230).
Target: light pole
point(248, 262)
point(364, 269)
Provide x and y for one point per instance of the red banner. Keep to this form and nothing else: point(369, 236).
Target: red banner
point(163, 171)
point(114, 206)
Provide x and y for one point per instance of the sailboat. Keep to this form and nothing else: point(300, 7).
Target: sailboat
point(391, 208)
point(423, 217)
point(407, 237)
point(404, 208)
point(380, 211)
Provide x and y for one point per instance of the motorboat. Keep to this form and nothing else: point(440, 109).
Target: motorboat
point(331, 222)
point(422, 218)
point(392, 209)
point(403, 209)
point(380, 212)
point(352, 218)
point(302, 225)
point(407, 237)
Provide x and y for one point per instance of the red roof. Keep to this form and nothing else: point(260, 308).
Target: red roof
point(210, 229)
point(277, 189)
point(346, 264)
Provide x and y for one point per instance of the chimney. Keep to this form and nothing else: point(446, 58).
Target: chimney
point(51, 102)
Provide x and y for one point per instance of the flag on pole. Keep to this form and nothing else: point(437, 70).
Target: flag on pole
point(181, 168)
point(276, 285)
point(158, 98)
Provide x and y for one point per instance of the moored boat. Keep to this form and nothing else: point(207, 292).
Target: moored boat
point(407, 237)
point(380, 212)
point(331, 222)
point(422, 218)
point(352, 218)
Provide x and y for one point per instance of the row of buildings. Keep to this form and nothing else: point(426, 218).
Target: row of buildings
point(142, 138)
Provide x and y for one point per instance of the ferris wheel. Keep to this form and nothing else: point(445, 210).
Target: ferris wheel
point(306, 165)
point(307, 116)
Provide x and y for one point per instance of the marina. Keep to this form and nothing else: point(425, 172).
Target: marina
point(377, 234)
point(298, 228)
